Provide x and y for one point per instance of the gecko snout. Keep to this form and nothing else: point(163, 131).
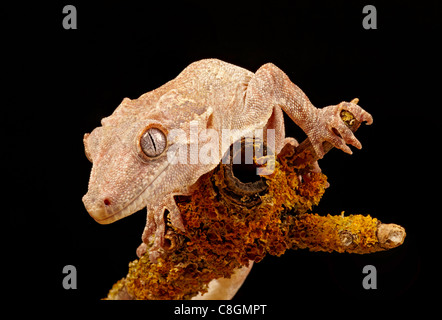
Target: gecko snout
point(105, 208)
point(99, 208)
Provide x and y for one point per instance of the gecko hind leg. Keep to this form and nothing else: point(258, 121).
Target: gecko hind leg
point(270, 87)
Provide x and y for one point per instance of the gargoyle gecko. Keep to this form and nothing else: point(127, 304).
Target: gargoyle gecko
point(131, 168)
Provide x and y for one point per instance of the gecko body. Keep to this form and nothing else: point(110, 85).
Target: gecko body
point(131, 151)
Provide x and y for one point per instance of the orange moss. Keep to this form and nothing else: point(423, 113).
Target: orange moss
point(221, 236)
point(353, 233)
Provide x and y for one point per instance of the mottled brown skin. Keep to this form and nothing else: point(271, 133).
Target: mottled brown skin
point(217, 95)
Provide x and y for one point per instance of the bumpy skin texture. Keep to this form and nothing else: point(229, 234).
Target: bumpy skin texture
point(218, 96)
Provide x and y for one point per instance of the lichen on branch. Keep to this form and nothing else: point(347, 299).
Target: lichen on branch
point(227, 228)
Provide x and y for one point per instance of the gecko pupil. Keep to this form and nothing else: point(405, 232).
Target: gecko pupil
point(153, 142)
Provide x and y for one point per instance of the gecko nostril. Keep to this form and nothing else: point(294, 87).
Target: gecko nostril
point(107, 202)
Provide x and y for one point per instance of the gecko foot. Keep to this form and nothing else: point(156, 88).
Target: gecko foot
point(330, 127)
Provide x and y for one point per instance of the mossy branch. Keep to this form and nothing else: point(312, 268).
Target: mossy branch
point(227, 227)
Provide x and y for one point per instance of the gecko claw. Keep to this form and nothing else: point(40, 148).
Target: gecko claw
point(331, 128)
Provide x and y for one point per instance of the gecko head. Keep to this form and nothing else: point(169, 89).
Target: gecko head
point(134, 152)
point(129, 161)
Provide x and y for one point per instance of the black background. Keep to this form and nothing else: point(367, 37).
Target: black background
point(60, 83)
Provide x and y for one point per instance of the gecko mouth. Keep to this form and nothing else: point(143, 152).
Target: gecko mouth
point(104, 211)
point(105, 216)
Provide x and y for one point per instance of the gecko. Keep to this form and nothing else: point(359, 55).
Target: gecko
point(131, 151)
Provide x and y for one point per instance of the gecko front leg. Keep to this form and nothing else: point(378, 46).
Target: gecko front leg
point(155, 228)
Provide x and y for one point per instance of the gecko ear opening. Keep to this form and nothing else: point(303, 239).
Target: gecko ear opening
point(209, 124)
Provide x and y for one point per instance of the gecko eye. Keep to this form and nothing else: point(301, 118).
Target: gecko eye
point(153, 142)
